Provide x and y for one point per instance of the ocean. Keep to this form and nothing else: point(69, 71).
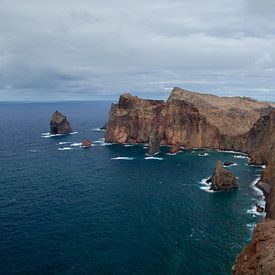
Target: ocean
point(110, 209)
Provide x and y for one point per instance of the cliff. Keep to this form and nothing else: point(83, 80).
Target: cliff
point(190, 120)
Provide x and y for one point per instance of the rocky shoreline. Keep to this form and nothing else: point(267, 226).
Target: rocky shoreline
point(193, 120)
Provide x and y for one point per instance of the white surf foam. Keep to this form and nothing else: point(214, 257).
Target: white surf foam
point(65, 148)
point(98, 130)
point(73, 133)
point(129, 145)
point(48, 135)
point(33, 150)
point(123, 158)
point(63, 142)
point(240, 157)
point(206, 186)
point(154, 158)
point(203, 154)
point(233, 164)
point(76, 144)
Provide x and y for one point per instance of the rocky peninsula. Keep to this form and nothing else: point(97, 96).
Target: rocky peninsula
point(195, 120)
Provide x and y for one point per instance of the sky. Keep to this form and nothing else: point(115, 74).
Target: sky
point(95, 50)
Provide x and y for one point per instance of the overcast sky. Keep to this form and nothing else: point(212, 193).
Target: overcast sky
point(77, 50)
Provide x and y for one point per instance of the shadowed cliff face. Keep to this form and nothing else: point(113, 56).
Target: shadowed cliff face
point(132, 119)
point(205, 121)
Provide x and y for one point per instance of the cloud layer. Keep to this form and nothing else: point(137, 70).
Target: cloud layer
point(78, 50)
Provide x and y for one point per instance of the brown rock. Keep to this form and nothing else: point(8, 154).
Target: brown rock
point(223, 179)
point(87, 143)
point(228, 163)
point(154, 143)
point(59, 124)
point(175, 148)
point(258, 257)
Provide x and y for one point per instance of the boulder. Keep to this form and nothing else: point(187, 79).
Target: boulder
point(223, 179)
point(59, 124)
point(87, 143)
point(175, 148)
point(228, 163)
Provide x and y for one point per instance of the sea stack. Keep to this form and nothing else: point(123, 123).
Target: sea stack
point(223, 179)
point(154, 143)
point(59, 124)
point(87, 143)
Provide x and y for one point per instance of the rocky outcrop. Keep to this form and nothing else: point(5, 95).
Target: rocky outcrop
point(222, 179)
point(132, 119)
point(59, 124)
point(154, 143)
point(175, 148)
point(194, 120)
point(258, 256)
point(187, 120)
point(87, 143)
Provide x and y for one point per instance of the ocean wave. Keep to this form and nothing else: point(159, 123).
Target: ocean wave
point(76, 144)
point(33, 150)
point(73, 133)
point(123, 158)
point(206, 185)
point(203, 154)
point(128, 145)
point(63, 142)
point(206, 189)
point(48, 135)
point(155, 158)
point(233, 164)
point(254, 212)
point(65, 148)
point(241, 157)
point(98, 130)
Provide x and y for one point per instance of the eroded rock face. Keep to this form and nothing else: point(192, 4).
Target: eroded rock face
point(154, 143)
point(258, 257)
point(87, 143)
point(222, 179)
point(59, 124)
point(194, 120)
point(132, 119)
point(187, 119)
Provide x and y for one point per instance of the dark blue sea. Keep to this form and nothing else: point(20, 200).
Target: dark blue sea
point(108, 209)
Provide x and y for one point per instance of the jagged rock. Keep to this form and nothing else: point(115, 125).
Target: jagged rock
point(197, 120)
point(258, 257)
point(59, 124)
point(87, 143)
point(175, 148)
point(223, 179)
point(153, 144)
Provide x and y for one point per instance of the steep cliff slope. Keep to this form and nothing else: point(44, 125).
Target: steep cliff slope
point(198, 120)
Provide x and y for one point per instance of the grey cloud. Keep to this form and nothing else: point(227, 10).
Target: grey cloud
point(97, 49)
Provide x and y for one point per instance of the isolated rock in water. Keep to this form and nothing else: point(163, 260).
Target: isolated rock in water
point(154, 143)
point(87, 143)
point(258, 257)
point(59, 124)
point(175, 148)
point(223, 179)
point(228, 163)
point(259, 208)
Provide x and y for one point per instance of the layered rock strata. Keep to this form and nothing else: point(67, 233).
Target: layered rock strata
point(194, 120)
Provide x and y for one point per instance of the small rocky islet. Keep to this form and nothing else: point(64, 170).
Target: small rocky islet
point(193, 120)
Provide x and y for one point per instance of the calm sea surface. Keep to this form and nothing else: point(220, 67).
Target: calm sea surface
point(108, 209)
